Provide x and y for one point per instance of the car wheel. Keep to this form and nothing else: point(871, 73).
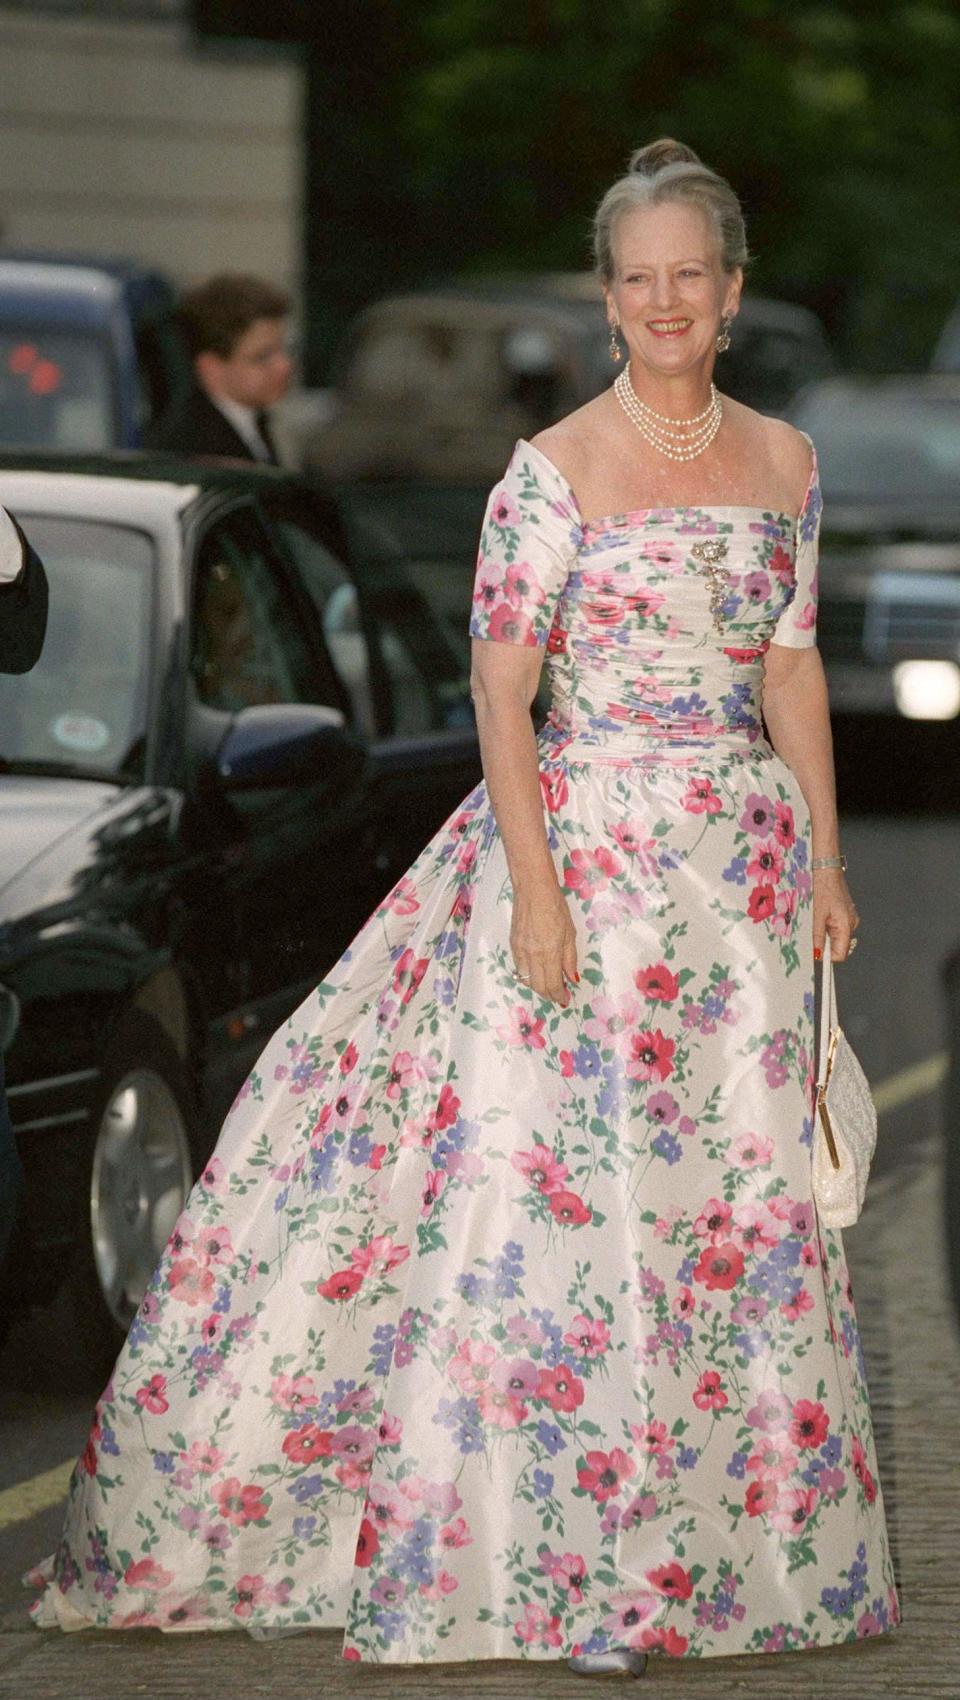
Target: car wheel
point(144, 1124)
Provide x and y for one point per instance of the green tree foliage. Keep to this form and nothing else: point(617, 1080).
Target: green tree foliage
point(455, 134)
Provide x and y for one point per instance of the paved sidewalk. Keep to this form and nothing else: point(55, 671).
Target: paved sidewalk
point(913, 1356)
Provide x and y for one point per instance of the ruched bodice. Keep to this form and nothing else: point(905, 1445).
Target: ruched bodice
point(656, 622)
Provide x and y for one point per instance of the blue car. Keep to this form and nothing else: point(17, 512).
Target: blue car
point(89, 353)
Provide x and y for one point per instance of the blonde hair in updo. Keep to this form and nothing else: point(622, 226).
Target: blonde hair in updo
point(666, 170)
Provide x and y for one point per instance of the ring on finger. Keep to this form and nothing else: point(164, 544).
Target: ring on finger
point(852, 945)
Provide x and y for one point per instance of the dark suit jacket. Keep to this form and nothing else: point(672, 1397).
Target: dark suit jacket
point(23, 614)
point(194, 426)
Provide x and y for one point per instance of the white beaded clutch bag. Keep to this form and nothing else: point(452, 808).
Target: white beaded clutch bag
point(845, 1130)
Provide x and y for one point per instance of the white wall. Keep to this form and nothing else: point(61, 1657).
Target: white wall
point(121, 138)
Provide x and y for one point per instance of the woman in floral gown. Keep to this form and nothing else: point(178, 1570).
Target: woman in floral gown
point(500, 1324)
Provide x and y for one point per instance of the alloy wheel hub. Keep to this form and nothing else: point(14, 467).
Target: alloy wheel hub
point(141, 1177)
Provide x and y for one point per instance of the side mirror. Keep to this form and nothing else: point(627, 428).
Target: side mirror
point(282, 744)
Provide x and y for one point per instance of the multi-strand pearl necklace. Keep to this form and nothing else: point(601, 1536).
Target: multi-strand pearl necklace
point(678, 439)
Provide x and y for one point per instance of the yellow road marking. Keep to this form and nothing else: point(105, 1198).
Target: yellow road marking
point(909, 1083)
point(38, 1493)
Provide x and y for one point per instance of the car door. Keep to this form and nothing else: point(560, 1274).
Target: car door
point(280, 875)
point(408, 685)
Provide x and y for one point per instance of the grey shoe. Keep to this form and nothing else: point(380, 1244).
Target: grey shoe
point(620, 1661)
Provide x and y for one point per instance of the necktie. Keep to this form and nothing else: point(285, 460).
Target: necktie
point(263, 426)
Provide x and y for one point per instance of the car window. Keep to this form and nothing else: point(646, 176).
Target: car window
point(946, 355)
point(385, 640)
point(765, 368)
point(410, 362)
point(84, 704)
point(884, 449)
point(414, 660)
point(336, 599)
point(414, 547)
point(56, 389)
point(249, 644)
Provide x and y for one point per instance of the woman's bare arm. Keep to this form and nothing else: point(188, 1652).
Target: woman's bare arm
point(503, 683)
point(797, 713)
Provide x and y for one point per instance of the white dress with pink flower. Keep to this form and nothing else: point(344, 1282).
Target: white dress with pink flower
point(498, 1330)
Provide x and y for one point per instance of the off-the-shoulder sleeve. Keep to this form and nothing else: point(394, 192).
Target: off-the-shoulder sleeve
point(797, 625)
point(528, 545)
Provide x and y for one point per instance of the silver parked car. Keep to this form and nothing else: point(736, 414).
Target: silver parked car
point(440, 384)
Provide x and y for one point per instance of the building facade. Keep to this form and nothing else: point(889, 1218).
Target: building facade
point(121, 136)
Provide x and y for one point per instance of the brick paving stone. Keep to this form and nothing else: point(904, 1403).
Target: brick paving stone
point(913, 1358)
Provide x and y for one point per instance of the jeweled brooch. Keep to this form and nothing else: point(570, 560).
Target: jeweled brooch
point(711, 551)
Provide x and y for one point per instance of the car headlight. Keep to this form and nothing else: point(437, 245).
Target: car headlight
point(927, 690)
point(9, 1018)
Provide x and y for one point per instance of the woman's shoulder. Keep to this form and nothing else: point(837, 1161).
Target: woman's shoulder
point(571, 443)
point(780, 443)
point(791, 446)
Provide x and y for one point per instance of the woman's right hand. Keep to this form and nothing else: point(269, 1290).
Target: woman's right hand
point(543, 940)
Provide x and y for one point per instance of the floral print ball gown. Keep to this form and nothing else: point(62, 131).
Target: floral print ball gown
point(499, 1330)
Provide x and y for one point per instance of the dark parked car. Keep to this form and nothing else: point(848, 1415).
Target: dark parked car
point(88, 352)
point(889, 628)
point(223, 760)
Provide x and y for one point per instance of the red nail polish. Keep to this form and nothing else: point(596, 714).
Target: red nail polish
point(817, 953)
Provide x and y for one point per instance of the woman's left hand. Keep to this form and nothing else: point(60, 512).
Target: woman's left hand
point(834, 912)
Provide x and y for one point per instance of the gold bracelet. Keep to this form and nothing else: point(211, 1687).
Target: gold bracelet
point(829, 862)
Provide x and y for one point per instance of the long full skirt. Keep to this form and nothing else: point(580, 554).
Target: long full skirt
point(495, 1329)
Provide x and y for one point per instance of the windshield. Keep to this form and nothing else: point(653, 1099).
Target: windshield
point(55, 390)
point(83, 708)
point(875, 448)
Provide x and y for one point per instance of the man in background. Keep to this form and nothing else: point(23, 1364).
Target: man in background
point(23, 623)
point(235, 329)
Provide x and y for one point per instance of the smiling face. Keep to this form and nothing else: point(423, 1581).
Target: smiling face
point(669, 290)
